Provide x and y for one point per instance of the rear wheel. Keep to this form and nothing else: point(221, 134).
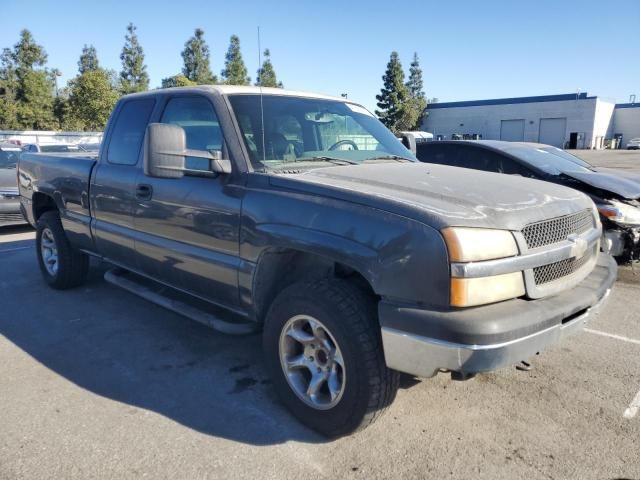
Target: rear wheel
point(61, 265)
point(324, 352)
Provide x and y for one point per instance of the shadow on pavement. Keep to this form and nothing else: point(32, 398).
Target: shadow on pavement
point(123, 348)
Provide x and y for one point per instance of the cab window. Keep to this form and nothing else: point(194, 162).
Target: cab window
point(128, 132)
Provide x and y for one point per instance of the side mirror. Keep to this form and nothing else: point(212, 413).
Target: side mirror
point(164, 151)
point(165, 154)
point(409, 141)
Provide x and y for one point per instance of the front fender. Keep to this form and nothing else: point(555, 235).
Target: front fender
point(402, 259)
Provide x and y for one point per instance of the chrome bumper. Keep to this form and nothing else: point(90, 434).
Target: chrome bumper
point(423, 357)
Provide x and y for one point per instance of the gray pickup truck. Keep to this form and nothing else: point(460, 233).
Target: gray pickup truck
point(303, 216)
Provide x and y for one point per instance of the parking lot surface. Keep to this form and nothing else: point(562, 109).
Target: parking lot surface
point(97, 383)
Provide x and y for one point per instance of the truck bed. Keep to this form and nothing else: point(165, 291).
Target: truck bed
point(65, 177)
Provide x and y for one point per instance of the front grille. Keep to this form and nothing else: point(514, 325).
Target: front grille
point(11, 218)
point(563, 268)
point(557, 229)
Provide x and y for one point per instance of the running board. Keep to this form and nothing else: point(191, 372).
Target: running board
point(154, 293)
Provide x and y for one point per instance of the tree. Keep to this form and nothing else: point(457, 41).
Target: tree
point(8, 91)
point(27, 54)
point(88, 59)
point(196, 60)
point(91, 98)
point(178, 80)
point(266, 76)
point(134, 76)
point(394, 97)
point(235, 71)
point(418, 101)
point(28, 85)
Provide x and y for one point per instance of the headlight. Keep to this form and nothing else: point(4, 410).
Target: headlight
point(476, 245)
point(469, 292)
point(620, 212)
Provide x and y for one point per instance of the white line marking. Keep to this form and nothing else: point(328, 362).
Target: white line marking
point(611, 335)
point(14, 249)
point(633, 407)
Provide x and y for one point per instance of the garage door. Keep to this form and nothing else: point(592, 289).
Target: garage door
point(553, 131)
point(512, 130)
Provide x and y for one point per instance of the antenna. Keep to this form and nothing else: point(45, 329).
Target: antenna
point(264, 150)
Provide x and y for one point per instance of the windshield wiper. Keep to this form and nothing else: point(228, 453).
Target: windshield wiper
point(397, 158)
point(322, 158)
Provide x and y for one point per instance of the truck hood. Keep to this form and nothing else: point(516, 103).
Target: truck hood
point(8, 182)
point(624, 185)
point(441, 196)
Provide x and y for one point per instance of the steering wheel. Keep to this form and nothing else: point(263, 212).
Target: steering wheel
point(344, 142)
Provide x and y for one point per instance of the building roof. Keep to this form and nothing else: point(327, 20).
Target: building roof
point(509, 101)
point(627, 105)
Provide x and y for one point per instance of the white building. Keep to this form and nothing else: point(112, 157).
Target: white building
point(570, 120)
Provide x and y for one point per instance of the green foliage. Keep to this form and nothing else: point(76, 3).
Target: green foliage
point(8, 91)
point(196, 60)
point(133, 76)
point(88, 59)
point(418, 101)
point(394, 97)
point(266, 76)
point(27, 54)
point(235, 71)
point(178, 80)
point(35, 109)
point(26, 89)
point(91, 98)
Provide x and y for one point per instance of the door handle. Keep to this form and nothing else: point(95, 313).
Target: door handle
point(144, 191)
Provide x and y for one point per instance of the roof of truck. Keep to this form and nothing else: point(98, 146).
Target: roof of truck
point(242, 90)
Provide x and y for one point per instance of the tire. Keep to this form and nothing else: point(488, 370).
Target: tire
point(363, 386)
point(71, 268)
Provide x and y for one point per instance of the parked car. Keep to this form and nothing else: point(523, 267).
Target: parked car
point(633, 144)
point(9, 198)
point(616, 194)
point(303, 216)
point(49, 147)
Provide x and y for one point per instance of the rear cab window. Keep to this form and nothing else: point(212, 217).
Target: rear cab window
point(128, 132)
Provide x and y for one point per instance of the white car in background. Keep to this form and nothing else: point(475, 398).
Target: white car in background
point(633, 144)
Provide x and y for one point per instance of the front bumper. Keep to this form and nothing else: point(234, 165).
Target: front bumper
point(421, 342)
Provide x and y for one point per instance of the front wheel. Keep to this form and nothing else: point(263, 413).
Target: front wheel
point(61, 265)
point(324, 352)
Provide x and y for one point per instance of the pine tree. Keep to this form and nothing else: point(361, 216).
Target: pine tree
point(235, 71)
point(33, 94)
point(418, 101)
point(88, 59)
point(133, 76)
point(196, 60)
point(266, 76)
point(393, 97)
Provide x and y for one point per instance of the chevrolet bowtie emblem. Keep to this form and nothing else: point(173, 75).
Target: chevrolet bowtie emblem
point(579, 247)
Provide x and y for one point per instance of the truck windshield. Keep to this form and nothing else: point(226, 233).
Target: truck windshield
point(303, 130)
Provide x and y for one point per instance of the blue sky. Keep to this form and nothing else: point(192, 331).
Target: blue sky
point(468, 49)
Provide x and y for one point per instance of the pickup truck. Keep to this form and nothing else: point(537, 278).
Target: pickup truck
point(303, 216)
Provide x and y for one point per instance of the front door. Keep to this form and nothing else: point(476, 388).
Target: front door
point(188, 228)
